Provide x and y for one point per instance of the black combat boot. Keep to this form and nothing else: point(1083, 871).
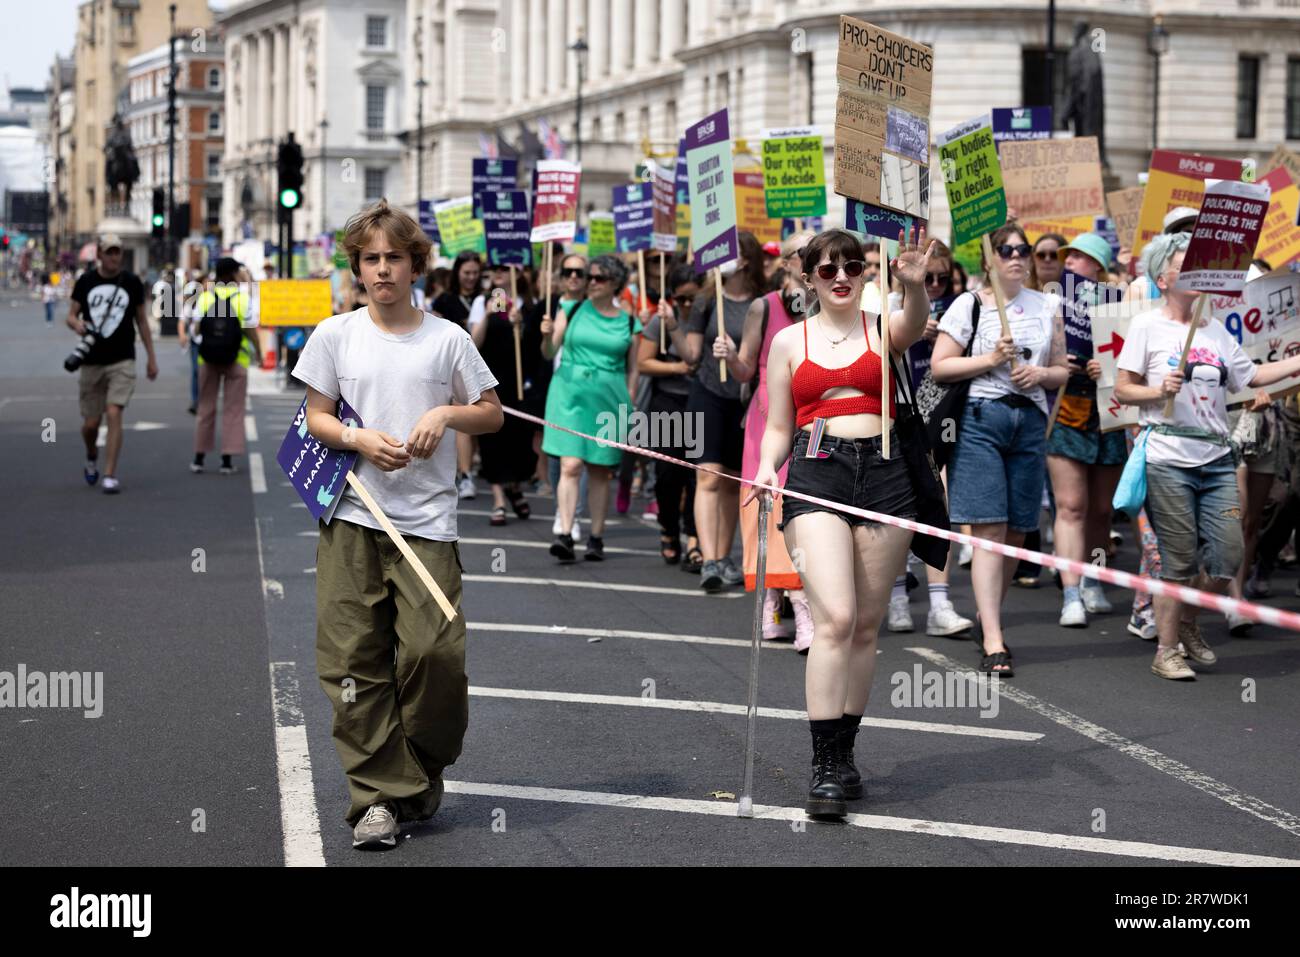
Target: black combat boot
point(825, 790)
point(849, 775)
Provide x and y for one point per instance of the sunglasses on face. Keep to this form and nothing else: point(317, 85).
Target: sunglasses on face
point(1045, 255)
point(853, 268)
point(597, 277)
point(570, 272)
point(1006, 250)
point(934, 278)
point(684, 301)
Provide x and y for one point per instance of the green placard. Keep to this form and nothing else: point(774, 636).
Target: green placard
point(600, 234)
point(458, 227)
point(794, 175)
point(969, 255)
point(972, 178)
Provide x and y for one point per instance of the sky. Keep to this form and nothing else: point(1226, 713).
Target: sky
point(31, 42)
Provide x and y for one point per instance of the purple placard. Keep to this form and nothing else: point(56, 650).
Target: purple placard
point(507, 225)
point(870, 220)
point(1079, 297)
point(317, 473)
point(491, 176)
point(715, 243)
point(633, 217)
point(712, 129)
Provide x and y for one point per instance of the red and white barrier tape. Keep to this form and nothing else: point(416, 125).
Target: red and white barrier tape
point(1191, 596)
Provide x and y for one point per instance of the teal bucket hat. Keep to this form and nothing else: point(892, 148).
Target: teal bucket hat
point(1091, 245)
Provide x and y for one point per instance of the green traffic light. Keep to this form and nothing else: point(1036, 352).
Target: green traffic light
point(157, 219)
point(290, 198)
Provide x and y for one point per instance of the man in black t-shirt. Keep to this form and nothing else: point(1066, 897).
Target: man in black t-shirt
point(109, 302)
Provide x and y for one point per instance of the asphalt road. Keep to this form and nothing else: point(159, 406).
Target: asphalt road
point(605, 718)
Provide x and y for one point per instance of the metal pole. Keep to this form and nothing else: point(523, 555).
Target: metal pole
point(1155, 105)
point(169, 243)
point(745, 807)
point(324, 163)
point(1051, 53)
point(578, 112)
point(420, 84)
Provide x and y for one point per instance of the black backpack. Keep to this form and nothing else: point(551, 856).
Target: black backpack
point(220, 332)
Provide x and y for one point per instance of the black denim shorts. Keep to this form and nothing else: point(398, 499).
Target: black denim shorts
point(855, 475)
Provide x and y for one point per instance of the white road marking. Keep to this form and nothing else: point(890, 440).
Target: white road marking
point(608, 586)
point(298, 818)
point(257, 473)
point(621, 633)
point(487, 513)
point(512, 543)
point(880, 822)
point(1148, 756)
point(718, 707)
point(250, 428)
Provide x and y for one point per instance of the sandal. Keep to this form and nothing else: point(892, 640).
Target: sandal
point(670, 549)
point(518, 503)
point(498, 516)
point(694, 561)
point(999, 663)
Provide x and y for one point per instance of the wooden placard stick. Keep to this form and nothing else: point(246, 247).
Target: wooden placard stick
point(720, 314)
point(1056, 410)
point(996, 282)
point(519, 357)
point(1187, 347)
point(403, 547)
point(546, 279)
point(640, 280)
point(663, 330)
point(884, 347)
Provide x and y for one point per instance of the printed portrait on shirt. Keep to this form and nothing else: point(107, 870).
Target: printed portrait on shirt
point(1207, 377)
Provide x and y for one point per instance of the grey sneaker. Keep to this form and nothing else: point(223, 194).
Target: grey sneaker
point(943, 621)
point(900, 615)
point(377, 829)
point(1073, 615)
point(1094, 599)
point(711, 576)
point(1194, 646)
point(1169, 664)
point(731, 575)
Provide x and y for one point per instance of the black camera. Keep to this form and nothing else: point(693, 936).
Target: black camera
point(73, 362)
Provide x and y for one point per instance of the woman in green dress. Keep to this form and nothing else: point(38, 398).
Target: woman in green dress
point(597, 375)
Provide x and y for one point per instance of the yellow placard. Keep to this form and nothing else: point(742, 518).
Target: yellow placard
point(1036, 229)
point(1279, 243)
point(294, 302)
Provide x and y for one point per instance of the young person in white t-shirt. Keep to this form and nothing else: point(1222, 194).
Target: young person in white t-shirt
point(995, 477)
point(1192, 498)
point(391, 663)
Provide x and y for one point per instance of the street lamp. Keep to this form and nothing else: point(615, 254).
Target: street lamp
point(1157, 46)
point(580, 48)
point(420, 84)
point(324, 169)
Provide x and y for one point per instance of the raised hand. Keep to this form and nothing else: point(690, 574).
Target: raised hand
point(912, 261)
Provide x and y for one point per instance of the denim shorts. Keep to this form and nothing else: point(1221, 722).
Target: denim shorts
point(1196, 516)
point(1089, 446)
point(854, 474)
point(998, 466)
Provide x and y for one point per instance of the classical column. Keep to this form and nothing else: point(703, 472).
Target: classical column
point(645, 32)
point(518, 49)
point(555, 55)
point(598, 41)
point(278, 99)
point(536, 47)
point(620, 37)
point(670, 27)
point(577, 25)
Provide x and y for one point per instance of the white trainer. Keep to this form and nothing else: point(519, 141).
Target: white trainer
point(943, 621)
point(1094, 599)
point(1073, 615)
point(900, 615)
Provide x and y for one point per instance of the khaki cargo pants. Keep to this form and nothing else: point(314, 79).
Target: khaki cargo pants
point(391, 664)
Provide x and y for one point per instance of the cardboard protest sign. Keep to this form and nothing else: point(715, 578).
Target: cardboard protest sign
point(1022, 123)
point(555, 201)
point(459, 229)
point(1226, 234)
point(681, 183)
point(506, 227)
point(1110, 324)
point(1265, 319)
point(751, 207)
point(600, 234)
point(1125, 207)
point(317, 473)
point(882, 118)
point(712, 192)
point(973, 179)
point(1178, 179)
point(1052, 179)
point(294, 302)
point(663, 236)
point(1286, 159)
point(794, 172)
point(1279, 243)
point(633, 217)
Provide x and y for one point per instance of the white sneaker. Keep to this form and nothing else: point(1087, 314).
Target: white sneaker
point(378, 828)
point(1073, 615)
point(1142, 625)
point(803, 624)
point(1169, 664)
point(965, 555)
point(576, 531)
point(557, 528)
point(1094, 599)
point(110, 485)
point(1238, 624)
point(943, 621)
point(465, 487)
point(900, 615)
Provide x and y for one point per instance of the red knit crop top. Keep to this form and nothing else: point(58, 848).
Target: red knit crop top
point(811, 381)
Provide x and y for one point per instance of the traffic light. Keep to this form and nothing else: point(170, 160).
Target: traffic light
point(4, 242)
point(157, 223)
point(289, 166)
point(181, 221)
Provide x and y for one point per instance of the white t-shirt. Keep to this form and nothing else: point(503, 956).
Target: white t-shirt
point(392, 381)
point(1216, 366)
point(1031, 316)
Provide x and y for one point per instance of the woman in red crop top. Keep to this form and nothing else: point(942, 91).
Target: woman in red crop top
point(829, 367)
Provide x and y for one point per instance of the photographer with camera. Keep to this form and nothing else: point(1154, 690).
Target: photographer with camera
point(107, 304)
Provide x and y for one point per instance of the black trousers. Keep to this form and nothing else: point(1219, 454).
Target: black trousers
point(674, 484)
